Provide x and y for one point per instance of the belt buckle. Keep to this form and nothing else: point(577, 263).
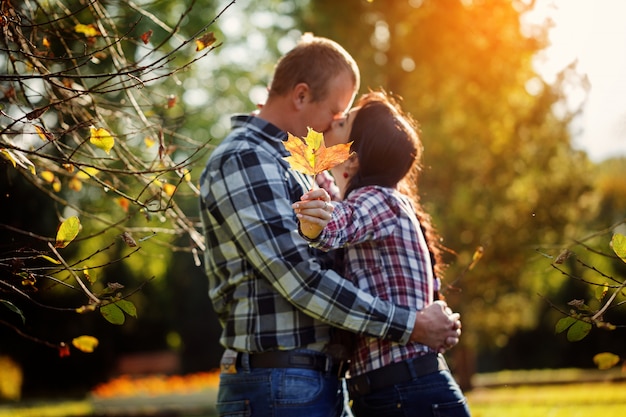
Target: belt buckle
point(228, 364)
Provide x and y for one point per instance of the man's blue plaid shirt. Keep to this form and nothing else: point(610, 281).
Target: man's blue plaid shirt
point(268, 287)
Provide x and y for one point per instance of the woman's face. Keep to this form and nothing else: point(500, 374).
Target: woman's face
point(340, 128)
point(339, 133)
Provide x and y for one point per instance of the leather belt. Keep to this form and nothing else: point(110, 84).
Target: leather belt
point(291, 359)
point(396, 373)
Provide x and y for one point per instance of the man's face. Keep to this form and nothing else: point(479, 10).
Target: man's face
point(320, 114)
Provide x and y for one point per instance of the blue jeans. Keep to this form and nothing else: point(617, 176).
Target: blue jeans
point(433, 395)
point(279, 392)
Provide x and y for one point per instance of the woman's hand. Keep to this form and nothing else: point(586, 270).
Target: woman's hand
point(314, 212)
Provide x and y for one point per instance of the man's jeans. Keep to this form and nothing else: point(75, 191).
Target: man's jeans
point(286, 392)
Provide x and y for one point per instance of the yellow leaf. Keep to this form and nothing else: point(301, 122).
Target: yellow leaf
point(618, 242)
point(310, 156)
point(67, 232)
point(205, 41)
point(102, 139)
point(86, 309)
point(88, 275)
point(605, 360)
point(8, 156)
point(478, 254)
point(45, 136)
point(56, 184)
point(47, 176)
point(88, 30)
point(149, 142)
point(169, 189)
point(75, 184)
point(49, 259)
point(85, 343)
point(87, 172)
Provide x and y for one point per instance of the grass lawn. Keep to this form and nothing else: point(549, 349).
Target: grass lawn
point(588, 399)
point(580, 394)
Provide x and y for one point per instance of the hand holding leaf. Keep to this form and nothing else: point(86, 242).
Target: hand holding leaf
point(310, 156)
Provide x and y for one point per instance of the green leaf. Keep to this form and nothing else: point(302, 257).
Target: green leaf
point(128, 307)
point(67, 232)
point(112, 313)
point(578, 331)
point(606, 360)
point(14, 309)
point(564, 324)
point(619, 245)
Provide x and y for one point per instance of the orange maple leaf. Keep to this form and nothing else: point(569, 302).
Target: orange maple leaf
point(310, 156)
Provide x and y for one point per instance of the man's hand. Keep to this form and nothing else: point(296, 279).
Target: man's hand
point(437, 326)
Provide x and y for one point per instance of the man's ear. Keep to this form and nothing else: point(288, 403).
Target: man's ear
point(300, 95)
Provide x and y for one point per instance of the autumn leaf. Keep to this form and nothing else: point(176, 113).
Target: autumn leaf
point(48, 176)
point(86, 309)
point(149, 142)
point(17, 158)
point(123, 203)
point(75, 184)
point(310, 156)
point(205, 41)
point(169, 189)
point(618, 242)
point(101, 138)
point(64, 350)
point(67, 232)
point(86, 173)
point(478, 254)
point(606, 360)
point(85, 343)
point(88, 30)
point(145, 37)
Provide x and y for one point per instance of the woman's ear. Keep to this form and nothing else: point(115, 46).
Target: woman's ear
point(352, 163)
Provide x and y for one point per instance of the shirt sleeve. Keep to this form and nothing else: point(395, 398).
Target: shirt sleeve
point(367, 215)
point(252, 193)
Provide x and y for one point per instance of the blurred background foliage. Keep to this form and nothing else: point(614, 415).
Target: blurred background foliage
point(500, 173)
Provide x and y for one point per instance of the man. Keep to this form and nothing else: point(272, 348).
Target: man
point(276, 298)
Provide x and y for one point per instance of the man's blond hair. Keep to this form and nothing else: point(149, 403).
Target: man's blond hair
point(315, 61)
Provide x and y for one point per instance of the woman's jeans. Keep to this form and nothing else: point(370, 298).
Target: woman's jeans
point(434, 395)
point(279, 392)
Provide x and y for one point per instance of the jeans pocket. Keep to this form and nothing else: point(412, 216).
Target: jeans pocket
point(234, 409)
point(451, 409)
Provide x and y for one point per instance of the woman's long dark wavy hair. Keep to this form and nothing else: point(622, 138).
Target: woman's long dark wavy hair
point(389, 149)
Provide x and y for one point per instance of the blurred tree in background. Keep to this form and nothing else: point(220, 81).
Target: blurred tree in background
point(500, 170)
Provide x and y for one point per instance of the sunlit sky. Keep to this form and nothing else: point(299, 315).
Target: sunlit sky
point(593, 32)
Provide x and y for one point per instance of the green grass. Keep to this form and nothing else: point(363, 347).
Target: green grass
point(589, 399)
point(48, 409)
point(501, 394)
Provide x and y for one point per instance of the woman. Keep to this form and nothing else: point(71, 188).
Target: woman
point(389, 250)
